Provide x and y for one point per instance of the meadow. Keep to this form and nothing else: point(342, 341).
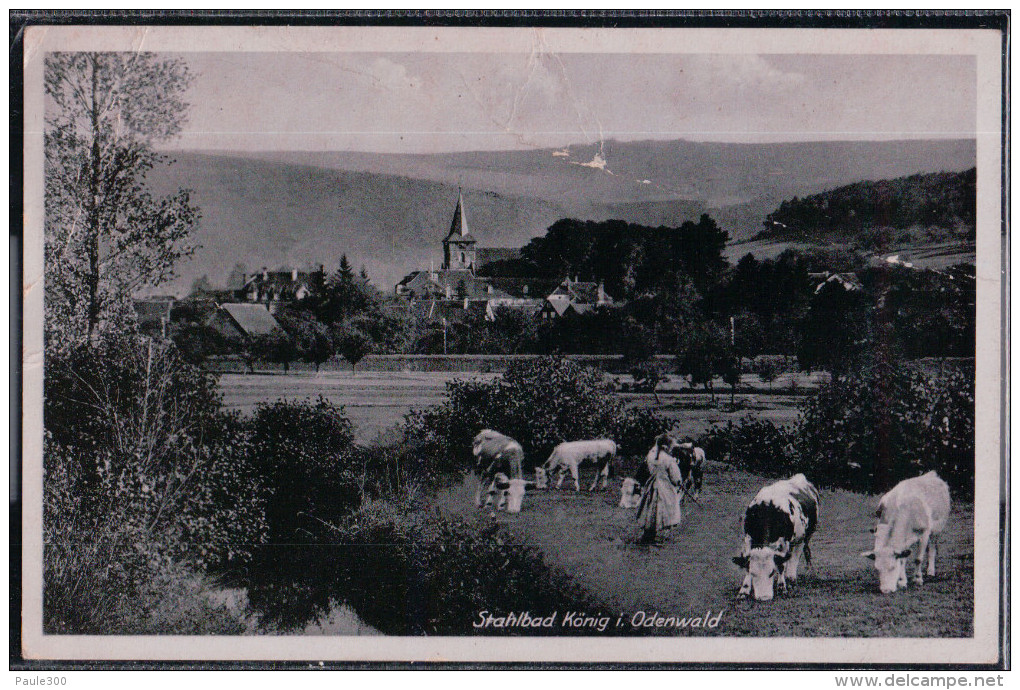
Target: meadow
point(588, 537)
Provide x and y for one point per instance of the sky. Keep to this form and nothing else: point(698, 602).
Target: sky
point(435, 102)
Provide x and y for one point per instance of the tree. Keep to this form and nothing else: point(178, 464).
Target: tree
point(106, 234)
point(699, 354)
point(838, 332)
point(730, 370)
point(312, 338)
point(353, 344)
point(768, 369)
point(276, 347)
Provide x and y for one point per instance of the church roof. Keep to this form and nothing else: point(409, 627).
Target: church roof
point(459, 231)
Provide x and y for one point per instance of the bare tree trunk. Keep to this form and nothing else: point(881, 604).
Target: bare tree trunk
point(92, 241)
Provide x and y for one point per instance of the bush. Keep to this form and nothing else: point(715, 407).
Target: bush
point(540, 403)
point(756, 445)
point(411, 572)
point(866, 432)
point(112, 563)
point(136, 439)
point(871, 429)
point(303, 453)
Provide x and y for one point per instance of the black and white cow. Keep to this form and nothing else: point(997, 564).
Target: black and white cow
point(778, 525)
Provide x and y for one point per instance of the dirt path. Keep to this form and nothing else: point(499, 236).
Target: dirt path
point(691, 573)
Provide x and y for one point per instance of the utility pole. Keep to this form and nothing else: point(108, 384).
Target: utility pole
point(444, 335)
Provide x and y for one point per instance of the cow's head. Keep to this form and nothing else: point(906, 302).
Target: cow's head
point(889, 564)
point(630, 493)
point(511, 492)
point(481, 438)
point(541, 478)
point(765, 564)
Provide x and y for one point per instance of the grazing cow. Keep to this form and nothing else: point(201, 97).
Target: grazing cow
point(511, 492)
point(914, 512)
point(695, 477)
point(495, 453)
point(689, 458)
point(630, 493)
point(778, 525)
point(571, 455)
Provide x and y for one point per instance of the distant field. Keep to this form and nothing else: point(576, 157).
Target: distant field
point(931, 255)
point(376, 401)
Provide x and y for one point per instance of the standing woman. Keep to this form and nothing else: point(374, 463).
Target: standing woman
point(660, 504)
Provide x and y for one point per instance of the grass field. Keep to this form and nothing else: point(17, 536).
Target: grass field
point(690, 571)
point(375, 401)
point(594, 541)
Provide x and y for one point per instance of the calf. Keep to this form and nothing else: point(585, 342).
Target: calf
point(494, 454)
point(914, 512)
point(630, 493)
point(571, 455)
point(511, 492)
point(778, 525)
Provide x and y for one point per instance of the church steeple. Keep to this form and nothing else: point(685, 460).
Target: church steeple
point(459, 245)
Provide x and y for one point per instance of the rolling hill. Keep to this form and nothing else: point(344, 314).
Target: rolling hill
point(390, 211)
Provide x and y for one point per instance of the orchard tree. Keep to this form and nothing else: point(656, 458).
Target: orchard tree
point(352, 344)
point(106, 234)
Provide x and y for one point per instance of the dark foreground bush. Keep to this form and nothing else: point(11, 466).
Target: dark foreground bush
point(413, 572)
point(303, 453)
point(539, 403)
point(145, 486)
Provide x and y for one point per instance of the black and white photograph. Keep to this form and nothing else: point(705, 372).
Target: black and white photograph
point(532, 345)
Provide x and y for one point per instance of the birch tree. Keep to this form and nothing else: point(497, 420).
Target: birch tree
point(107, 235)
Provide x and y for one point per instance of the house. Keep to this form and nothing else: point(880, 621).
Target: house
point(848, 281)
point(153, 314)
point(576, 297)
point(242, 321)
point(282, 286)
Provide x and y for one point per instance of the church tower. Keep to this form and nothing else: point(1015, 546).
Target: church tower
point(459, 245)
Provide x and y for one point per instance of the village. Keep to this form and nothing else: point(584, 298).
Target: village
point(460, 288)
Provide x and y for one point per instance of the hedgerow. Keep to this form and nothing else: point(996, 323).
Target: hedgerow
point(540, 403)
point(866, 431)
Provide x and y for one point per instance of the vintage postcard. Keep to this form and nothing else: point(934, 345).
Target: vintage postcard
point(533, 344)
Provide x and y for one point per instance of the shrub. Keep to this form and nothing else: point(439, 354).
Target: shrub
point(136, 436)
point(756, 445)
point(112, 566)
point(540, 403)
point(303, 453)
point(415, 572)
point(873, 428)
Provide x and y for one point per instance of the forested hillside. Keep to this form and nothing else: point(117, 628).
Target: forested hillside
point(936, 201)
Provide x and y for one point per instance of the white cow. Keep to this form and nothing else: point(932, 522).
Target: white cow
point(571, 455)
point(511, 492)
point(914, 512)
point(778, 525)
point(630, 493)
point(495, 453)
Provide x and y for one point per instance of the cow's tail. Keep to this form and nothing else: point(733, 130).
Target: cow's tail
point(807, 552)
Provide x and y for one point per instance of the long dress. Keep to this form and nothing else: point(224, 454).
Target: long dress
point(660, 503)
